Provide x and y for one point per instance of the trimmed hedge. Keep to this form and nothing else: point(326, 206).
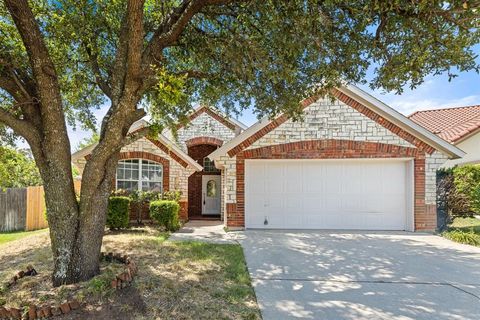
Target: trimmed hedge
point(117, 213)
point(165, 212)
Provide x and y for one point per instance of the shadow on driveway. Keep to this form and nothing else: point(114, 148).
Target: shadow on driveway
point(362, 275)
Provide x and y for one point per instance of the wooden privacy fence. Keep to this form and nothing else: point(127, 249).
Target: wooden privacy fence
point(24, 208)
point(13, 209)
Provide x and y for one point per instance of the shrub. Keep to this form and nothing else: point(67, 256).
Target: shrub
point(476, 199)
point(465, 237)
point(172, 195)
point(466, 181)
point(117, 213)
point(165, 212)
point(458, 191)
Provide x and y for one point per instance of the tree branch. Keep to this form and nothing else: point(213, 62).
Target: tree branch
point(135, 135)
point(47, 86)
point(135, 46)
point(171, 29)
point(21, 127)
point(102, 84)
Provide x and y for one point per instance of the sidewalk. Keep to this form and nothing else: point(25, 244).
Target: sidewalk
point(201, 230)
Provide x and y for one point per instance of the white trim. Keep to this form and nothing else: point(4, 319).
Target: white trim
point(410, 196)
point(221, 114)
point(215, 155)
point(402, 121)
point(140, 168)
point(371, 103)
point(140, 124)
point(192, 163)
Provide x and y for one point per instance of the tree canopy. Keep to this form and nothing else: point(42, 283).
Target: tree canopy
point(234, 54)
point(17, 169)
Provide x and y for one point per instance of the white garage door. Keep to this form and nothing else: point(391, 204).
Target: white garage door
point(328, 194)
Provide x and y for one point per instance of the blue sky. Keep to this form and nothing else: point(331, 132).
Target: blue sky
point(435, 92)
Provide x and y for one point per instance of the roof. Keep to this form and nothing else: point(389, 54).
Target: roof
point(217, 115)
point(160, 138)
point(451, 124)
point(371, 103)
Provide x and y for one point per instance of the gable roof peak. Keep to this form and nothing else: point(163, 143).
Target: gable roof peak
point(353, 94)
point(217, 115)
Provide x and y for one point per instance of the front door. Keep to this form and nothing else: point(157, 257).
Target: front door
point(211, 195)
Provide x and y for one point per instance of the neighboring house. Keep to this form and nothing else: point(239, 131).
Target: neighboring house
point(353, 163)
point(460, 126)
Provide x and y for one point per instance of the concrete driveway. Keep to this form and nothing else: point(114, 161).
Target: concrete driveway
point(362, 275)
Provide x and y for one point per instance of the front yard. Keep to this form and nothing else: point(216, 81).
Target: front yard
point(11, 236)
point(176, 280)
point(464, 230)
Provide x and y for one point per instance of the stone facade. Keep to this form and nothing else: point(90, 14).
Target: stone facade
point(325, 119)
point(204, 125)
point(343, 128)
point(432, 163)
point(178, 175)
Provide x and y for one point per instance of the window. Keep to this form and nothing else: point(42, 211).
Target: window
point(211, 188)
point(137, 174)
point(209, 166)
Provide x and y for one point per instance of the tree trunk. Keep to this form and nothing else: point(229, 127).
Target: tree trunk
point(77, 228)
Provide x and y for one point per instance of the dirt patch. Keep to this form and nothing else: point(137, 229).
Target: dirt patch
point(175, 280)
point(124, 304)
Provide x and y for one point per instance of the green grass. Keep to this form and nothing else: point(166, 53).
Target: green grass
point(175, 280)
point(466, 224)
point(464, 230)
point(11, 236)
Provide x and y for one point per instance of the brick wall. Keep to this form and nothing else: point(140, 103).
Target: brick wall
point(342, 119)
point(177, 173)
point(424, 218)
point(197, 153)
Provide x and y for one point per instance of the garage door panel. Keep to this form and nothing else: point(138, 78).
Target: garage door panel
point(341, 194)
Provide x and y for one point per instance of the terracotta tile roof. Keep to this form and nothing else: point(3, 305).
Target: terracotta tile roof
point(451, 124)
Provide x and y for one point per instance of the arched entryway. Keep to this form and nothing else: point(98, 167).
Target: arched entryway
point(204, 187)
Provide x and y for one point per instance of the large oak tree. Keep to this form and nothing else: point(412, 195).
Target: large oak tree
point(60, 60)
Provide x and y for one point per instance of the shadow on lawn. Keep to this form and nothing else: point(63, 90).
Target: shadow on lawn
point(176, 280)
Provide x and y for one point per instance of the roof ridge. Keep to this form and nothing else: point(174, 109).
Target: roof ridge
point(445, 108)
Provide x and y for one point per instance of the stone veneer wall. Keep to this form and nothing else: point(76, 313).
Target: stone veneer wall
point(432, 164)
point(202, 126)
point(178, 174)
point(323, 120)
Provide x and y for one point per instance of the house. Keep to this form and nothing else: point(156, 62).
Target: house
point(352, 163)
point(460, 126)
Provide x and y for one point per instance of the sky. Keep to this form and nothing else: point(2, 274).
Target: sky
point(435, 92)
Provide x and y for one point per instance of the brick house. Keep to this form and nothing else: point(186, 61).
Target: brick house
point(353, 163)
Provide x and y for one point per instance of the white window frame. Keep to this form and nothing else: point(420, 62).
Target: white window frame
point(139, 180)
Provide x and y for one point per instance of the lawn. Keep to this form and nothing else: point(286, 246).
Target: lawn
point(464, 230)
point(11, 236)
point(176, 280)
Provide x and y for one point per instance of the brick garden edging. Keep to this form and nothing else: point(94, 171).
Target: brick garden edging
point(39, 312)
point(121, 280)
point(30, 273)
